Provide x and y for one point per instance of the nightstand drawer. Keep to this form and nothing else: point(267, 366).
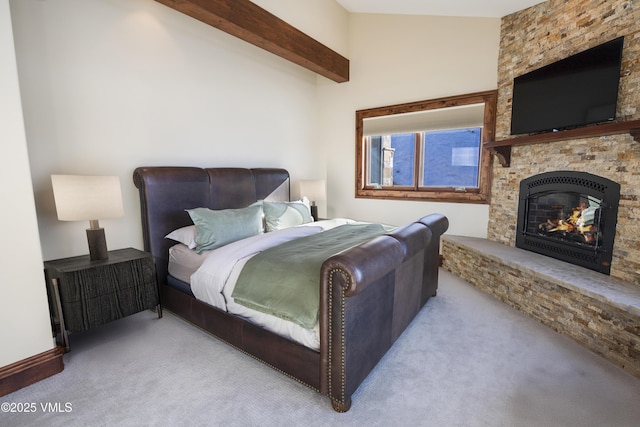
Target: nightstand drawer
point(92, 293)
point(102, 280)
point(97, 296)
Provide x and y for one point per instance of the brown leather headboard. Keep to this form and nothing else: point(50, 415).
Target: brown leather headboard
point(166, 191)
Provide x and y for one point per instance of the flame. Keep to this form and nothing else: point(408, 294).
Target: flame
point(573, 225)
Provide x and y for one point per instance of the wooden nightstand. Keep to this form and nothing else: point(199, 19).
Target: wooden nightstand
point(84, 294)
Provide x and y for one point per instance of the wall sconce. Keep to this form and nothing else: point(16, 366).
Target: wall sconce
point(89, 198)
point(315, 190)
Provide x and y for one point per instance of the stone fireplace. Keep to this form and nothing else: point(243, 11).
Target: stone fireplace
point(541, 35)
point(600, 311)
point(570, 216)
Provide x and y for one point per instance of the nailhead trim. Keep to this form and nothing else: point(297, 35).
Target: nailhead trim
point(333, 271)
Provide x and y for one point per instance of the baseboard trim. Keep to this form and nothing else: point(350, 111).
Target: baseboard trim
point(28, 371)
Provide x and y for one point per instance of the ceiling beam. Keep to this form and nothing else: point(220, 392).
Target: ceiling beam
point(253, 24)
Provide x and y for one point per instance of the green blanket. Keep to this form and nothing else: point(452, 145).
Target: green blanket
point(284, 280)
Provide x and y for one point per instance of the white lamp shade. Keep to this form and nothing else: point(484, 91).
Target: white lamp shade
point(313, 189)
point(81, 198)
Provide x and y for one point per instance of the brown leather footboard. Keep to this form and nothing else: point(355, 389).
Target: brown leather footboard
point(369, 295)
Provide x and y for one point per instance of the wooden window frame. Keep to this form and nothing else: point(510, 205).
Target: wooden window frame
point(480, 195)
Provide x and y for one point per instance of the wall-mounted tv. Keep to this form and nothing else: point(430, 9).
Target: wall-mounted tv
point(576, 91)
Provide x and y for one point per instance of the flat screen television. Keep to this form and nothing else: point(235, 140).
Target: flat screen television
point(576, 91)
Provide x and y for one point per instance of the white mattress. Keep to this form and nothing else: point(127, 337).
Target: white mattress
point(183, 262)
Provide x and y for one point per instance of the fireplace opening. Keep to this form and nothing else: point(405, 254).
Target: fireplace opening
point(570, 216)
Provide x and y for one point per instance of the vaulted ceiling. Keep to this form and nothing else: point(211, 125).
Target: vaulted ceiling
point(251, 23)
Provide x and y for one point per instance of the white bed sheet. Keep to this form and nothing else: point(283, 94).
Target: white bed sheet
point(215, 280)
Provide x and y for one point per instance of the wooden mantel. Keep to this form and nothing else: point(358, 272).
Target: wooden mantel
point(253, 24)
point(502, 148)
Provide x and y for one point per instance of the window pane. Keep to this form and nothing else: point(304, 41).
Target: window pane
point(375, 160)
point(452, 158)
point(404, 149)
point(392, 159)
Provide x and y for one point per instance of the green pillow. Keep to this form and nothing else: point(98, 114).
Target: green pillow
point(217, 228)
point(279, 215)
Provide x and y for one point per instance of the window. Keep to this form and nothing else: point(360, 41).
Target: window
point(428, 150)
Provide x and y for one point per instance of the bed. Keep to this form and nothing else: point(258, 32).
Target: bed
point(368, 293)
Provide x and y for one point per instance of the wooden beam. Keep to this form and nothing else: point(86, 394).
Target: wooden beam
point(253, 24)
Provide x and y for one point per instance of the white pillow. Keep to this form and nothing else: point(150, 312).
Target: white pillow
point(279, 215)
point(185, 235)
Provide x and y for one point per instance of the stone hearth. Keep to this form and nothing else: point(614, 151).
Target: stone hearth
point(599, 311)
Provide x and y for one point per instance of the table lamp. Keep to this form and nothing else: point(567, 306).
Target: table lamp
point(315, 191)
point(82, 198)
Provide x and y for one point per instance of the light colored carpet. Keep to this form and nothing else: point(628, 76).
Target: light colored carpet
point(466, 360)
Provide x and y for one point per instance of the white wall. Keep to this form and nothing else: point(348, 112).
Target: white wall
point(109, 85)
point(396, 59)
point(23, 333)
